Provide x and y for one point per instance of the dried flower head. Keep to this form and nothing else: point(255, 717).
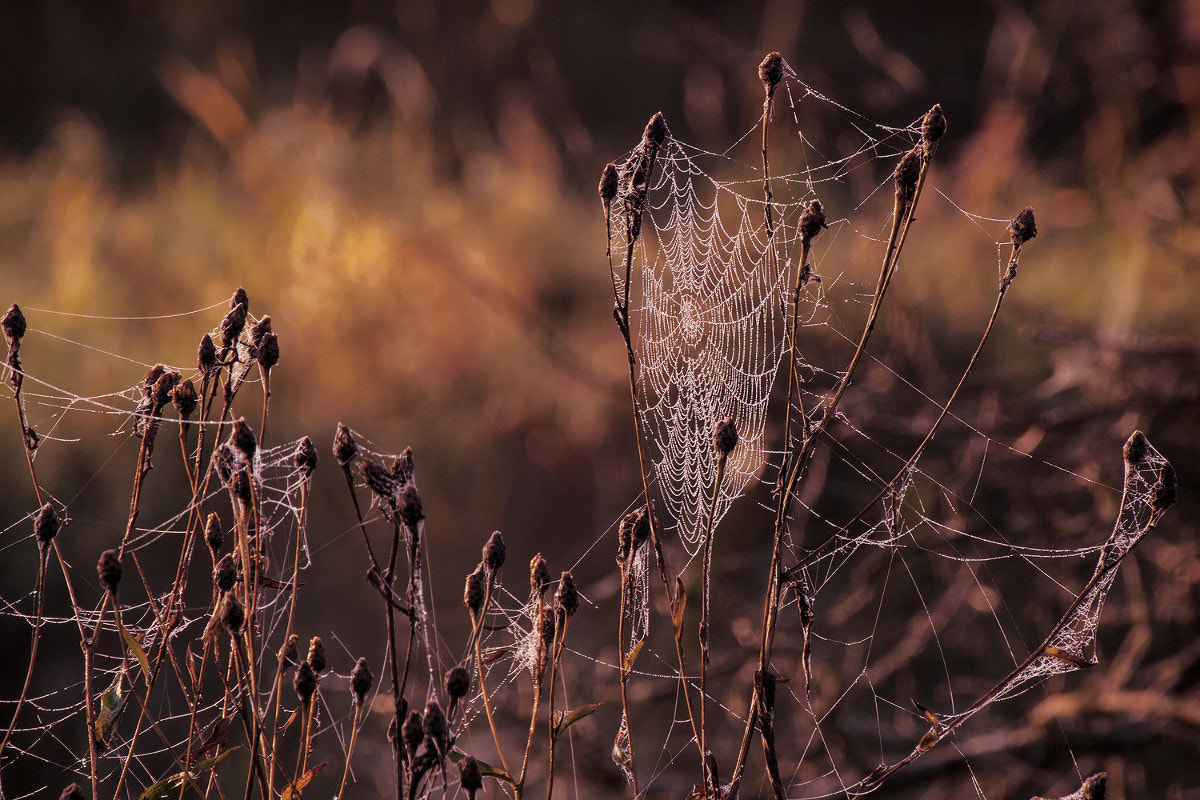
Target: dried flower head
point(258, 331)
point(812, 221)
point(470, 777)
point(539, 575)
point(725, 436)
point(344, 446)
point(14, 325)
point(240, 488)
point(164, 387)
point(305, 682)
point(268, 351)
point(473, 591)
point(45, 525)
point(232, 326)
point(608, 186)
point(233, 613)
point(380, 482)
point(361, 680)
point(185, 399)
point(1165, 491)
point(1023, 227)
point(933, 127)
point(225, 573)
point(109, 570)
point(1135, 448)
point(458, 682)
point(656, 131)
point(243, 440)
point(412, 732)
point(212, 533)
point(152, 376)
point(409, 505)
point(566, 599)
point(240, 298)
point(316, 655)
point(206, 356)
point(289, 654)
point(493, 552)
point(73, 792)
point(403, 466)
point(305, 458)
point(770, 71)
point(907, 173)
point(436, 726)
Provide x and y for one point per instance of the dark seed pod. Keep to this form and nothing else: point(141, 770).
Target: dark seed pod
point(907, 172)
point(566, 599)
point(109, 570)
point(305, 457)
point(1023, 227)
point(225, 573)
point(933, 127)
point(268, 351)
point(361, 680)
point(547, 631)
point(45, 525)
point(473, 592)
point(493, 552)
point(206, 356)
point(14, 325)
point(380, 482)
point(73, 792)
point(413, 732)
point(344, 446)
point(656, 131)
point(458, 682)
point(232, 325)
point(305, 682)
point(608, 185)
point(239, 487)
point(184, 398)
point(258, 332)
point(470, 778)
point(152, 376)
point(435, 725)
point(316, 655)
point(212, 533)
point(539, 575)
point(1135, 448)
point(1165, 490)
point(160, 393)
point(289, 653)
point(240, 298)
point(725, 436)
point(770, 71)
point(812, 221)
point(403, 467)
point(409, 504)
point(242, 439)
point(233, 614)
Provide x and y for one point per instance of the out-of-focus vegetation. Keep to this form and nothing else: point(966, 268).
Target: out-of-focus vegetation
point(408, 190)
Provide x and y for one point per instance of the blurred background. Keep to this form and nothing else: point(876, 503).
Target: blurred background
point(408, 190)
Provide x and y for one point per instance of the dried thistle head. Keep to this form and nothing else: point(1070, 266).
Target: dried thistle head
point(435, 725)
point(539, 575)
point(812, 221)
point(267, 352)
point(725, 436)
point(933, 127)
point(316, 655)
point(259, 330)
point(494, 552)
point(770, 71)
point(457, 682)
point(225, 573)
point(404, 467)
point(412, 732)
point(380, 482)
point(566, 599)
point(656, 131)
point(184, 398)
point(633, 531)
point(305, 458)
point(473, 591)
point(212, 533)
point(361, 680)
point(305, 682)
point(344, 446)
point(289, 654)
point(152, 376)
point(45, 525)
point(907, 173)
point(73, 792)
point(243, 440)
point(109, 570)
point(1135, 448)
point(240, 298)
point(232, 325)
point(409, 506)
point(608, 186)
point(1165, 491)
point(1023, 227)
point(233, 613)
point(206, 356)
point(470, 777)
point(14, 326)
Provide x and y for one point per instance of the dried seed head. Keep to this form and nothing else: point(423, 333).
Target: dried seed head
point(656, 131)
point(566, 599)
point(409, 505)
point(206, 355)
point(458, 682)
point(1023, 227)
point(233, 614)
point(73, 792)
point(403, 466)
point(413, 733)
point(240, 298)
point(473, 591)
point(239, 487)
point(361, 680)
point(45, 525)
point(725, 436)
point(1135, 448)
point(316, 655)
point(933, 127)
point(305, 457)
point(547, 631)
point(1095, 787)
point(633, 531)
point(607, 188)
point(258, 331)
point(1164, 493)
point(812, 221)
point(770, 71)
point(470, 778)
point(289, 653)
point(164, 388)
point(242, 438)
point(434, 723)
point(907, 172)
point(14, 325)
point(212, 532)
point(539, 575)
point(493, 552)
point(109, 570)
point(152, 376)
point(268, 352)
point(232, 325)
point(225, 573)
point(305, 682)
point(380, 482)
point(344, 446)
point(185, 399)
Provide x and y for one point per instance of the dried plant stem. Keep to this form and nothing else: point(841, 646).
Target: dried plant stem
point(626, 663)
point(477, 626)
point(705, 592)
point(355, 726)
point(560, 637)
point(43, 558)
